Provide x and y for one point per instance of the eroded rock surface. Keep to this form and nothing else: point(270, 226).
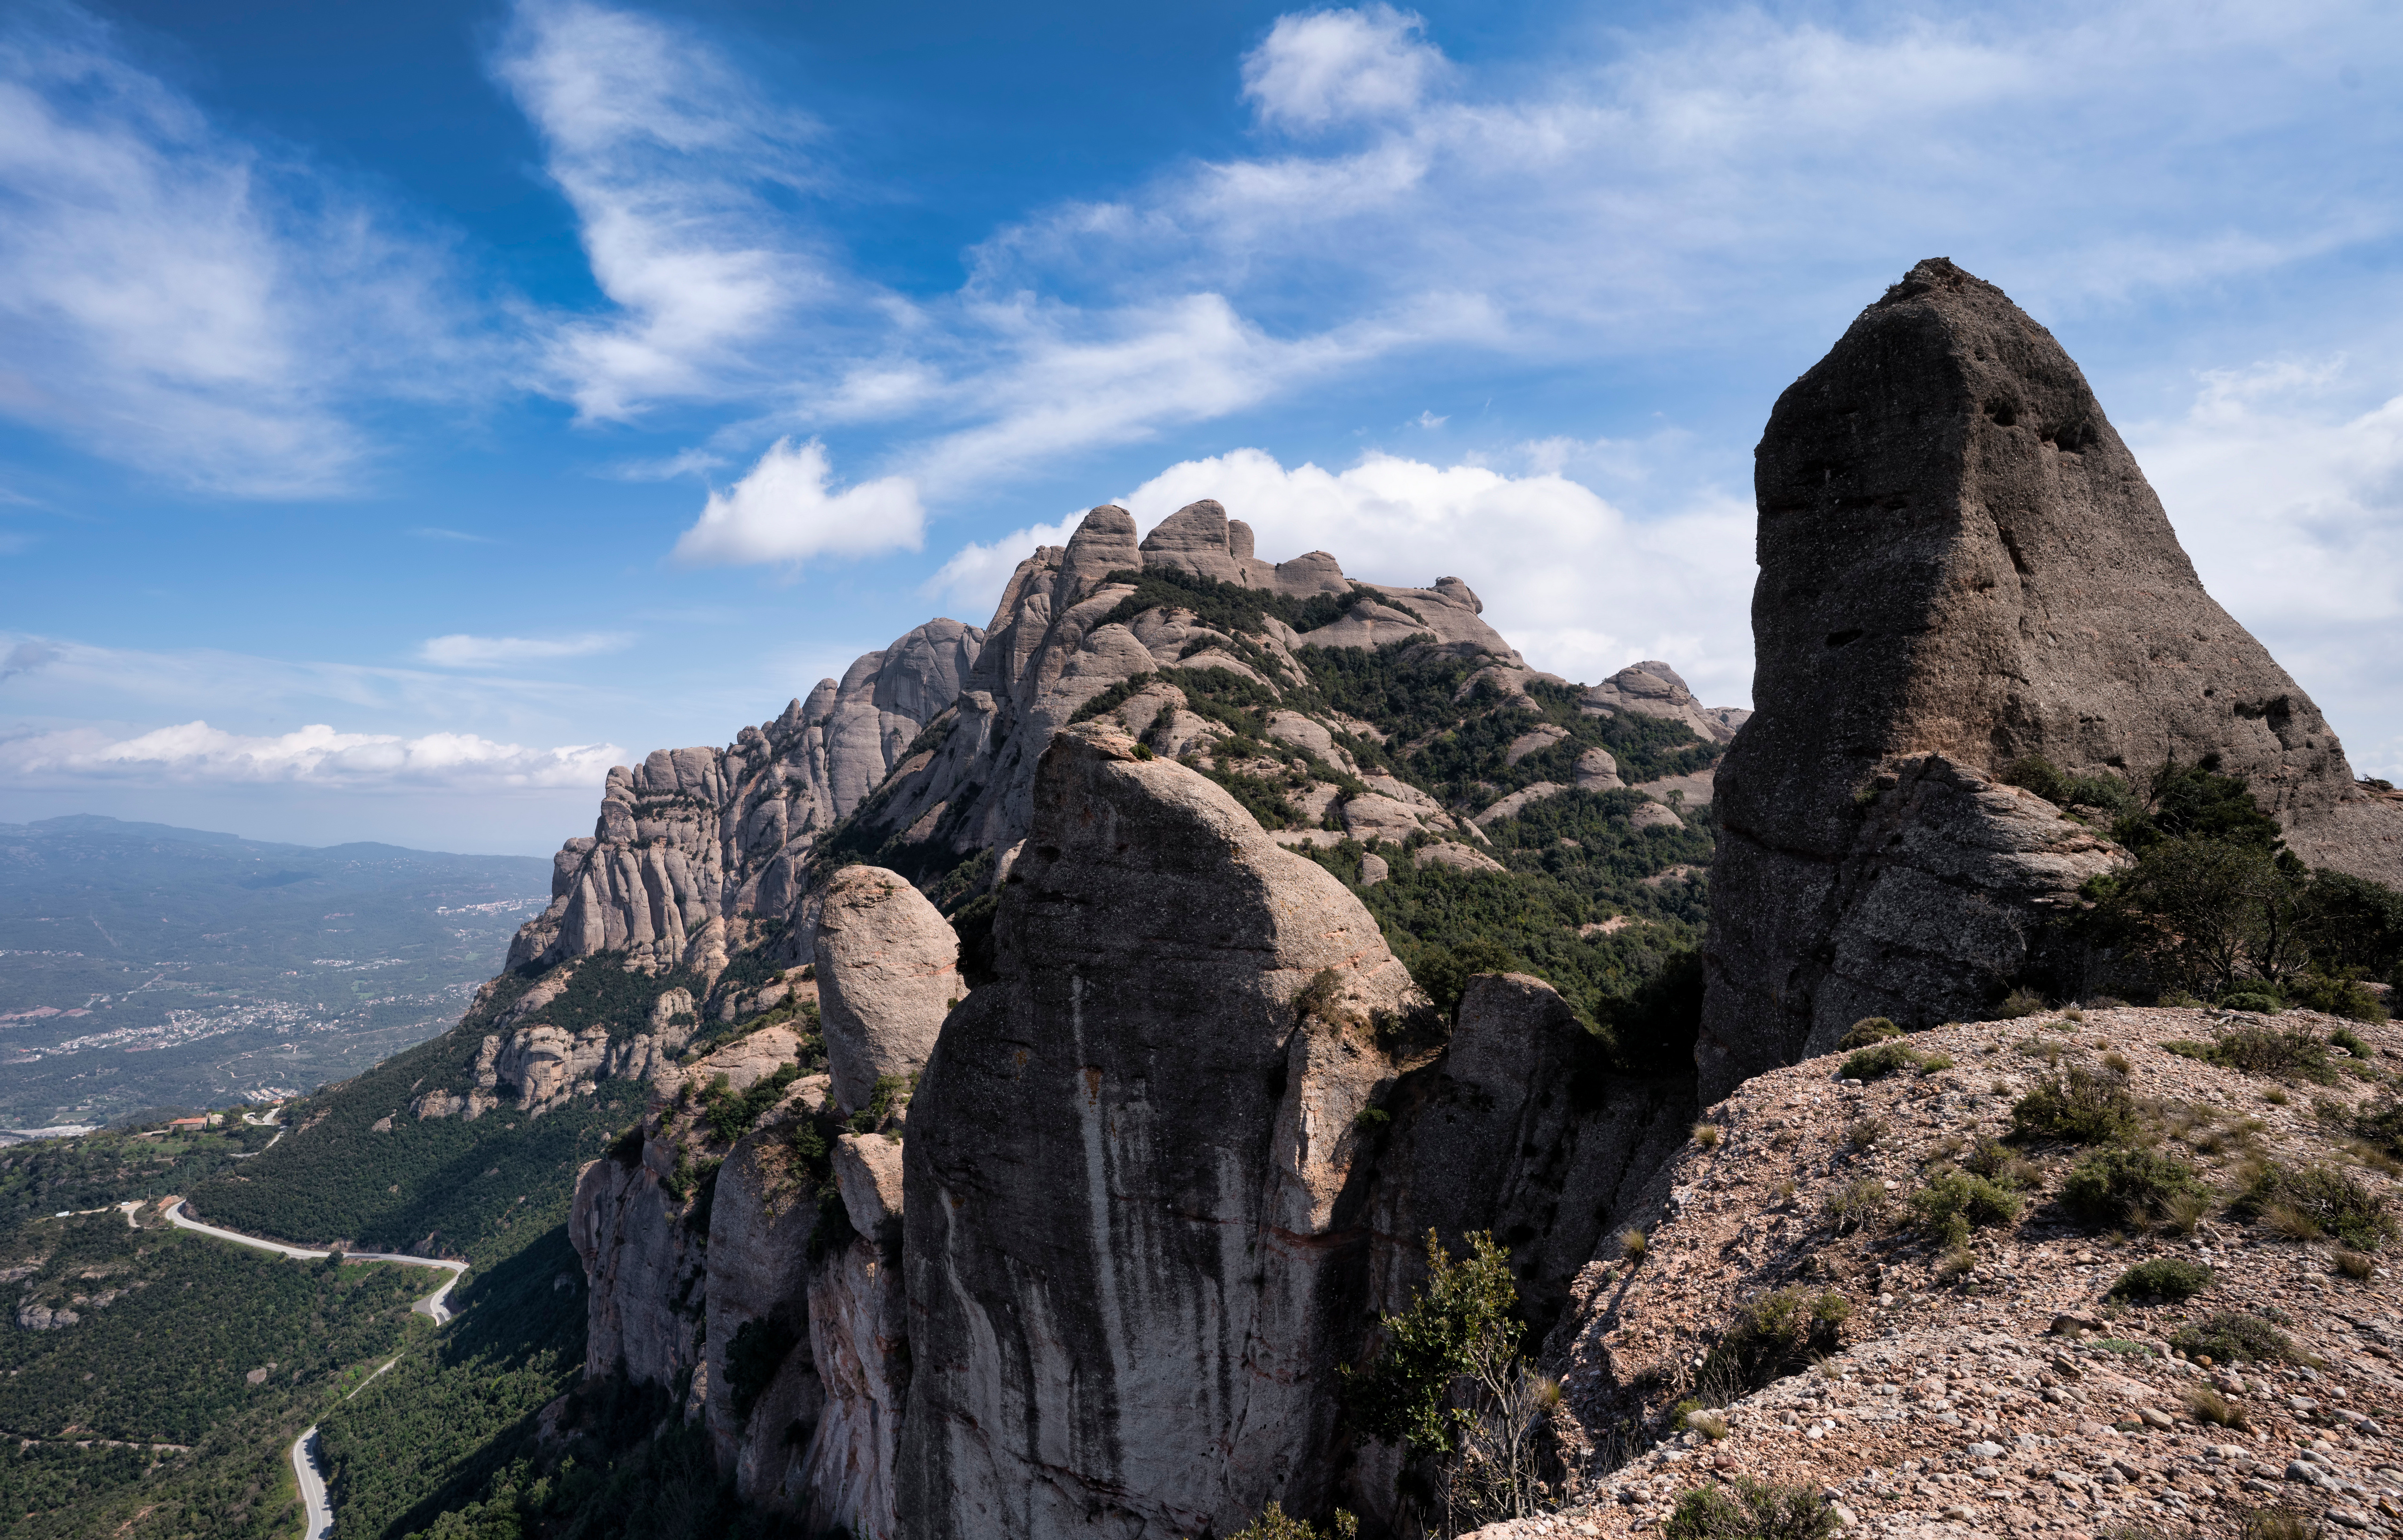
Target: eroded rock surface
point(887, 972)
point(1128, 1172)
point(1960, 563)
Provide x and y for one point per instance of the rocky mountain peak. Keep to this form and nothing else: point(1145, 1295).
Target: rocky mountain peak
point(1961, 564)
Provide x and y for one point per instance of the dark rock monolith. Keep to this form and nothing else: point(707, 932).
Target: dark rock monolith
point(1960, 565)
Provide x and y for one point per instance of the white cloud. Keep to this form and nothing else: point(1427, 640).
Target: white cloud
point(973, 579)
point(462, 651)
point(180, 301)
point(665, 151)
point(2286, 486)
point(1569, 578)
point(783, 513)
point(315, 754)
point(1319, 68)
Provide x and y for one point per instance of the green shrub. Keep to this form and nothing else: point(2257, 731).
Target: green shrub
point(2122, 1185)
point(2079, 1107)
point(1873, 1064)
point(2350, 1040)
point(1745, 1509)
point(2021, 1002)
point(2170, 1277)
point(2233, 1337)
point(1953, 1200)
point(2291, 1055)
point(2339, 997)
point(2255, 996)
point(1998, 1162)
point(2381, 1126)
point(1776, 1335)
point(1868, 1030)
point(1857, 1206)
point(1275, 1524)
point(2328, 1198)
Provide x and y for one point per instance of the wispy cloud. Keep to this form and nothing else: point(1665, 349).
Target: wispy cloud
point(462, 651)
point(787, 511)
point(430, 532)
point(176, 298)
point(25, 657)
point(666, 151)
point(318, 755)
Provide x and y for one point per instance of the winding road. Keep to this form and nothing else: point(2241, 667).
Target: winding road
point(304, 1448)
point(436, 1304)
point(312, 1487)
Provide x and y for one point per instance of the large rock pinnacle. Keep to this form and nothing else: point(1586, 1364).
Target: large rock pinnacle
point(1134, 1172)
point(1961, 565)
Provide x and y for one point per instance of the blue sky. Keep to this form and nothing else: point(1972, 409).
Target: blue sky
point(406, 411)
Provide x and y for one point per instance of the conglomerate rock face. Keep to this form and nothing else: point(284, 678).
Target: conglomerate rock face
point(692, 843)
point(1961, 561)
point(888, 971)
point(1128, 1174)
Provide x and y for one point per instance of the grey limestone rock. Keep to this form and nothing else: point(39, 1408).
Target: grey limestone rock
point(692, 842)
point(1961, 564)
point(867, 1173)
point(888, 973)
point(1128, 1171)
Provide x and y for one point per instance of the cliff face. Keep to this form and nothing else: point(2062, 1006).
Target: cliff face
point(1127, 1169)
point(1961, 565)
point(1137, 1220)
point(694, 846)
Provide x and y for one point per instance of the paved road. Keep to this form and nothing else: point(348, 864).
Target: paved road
point(436, 1304)
point(304, 1448)
point(312, 1487)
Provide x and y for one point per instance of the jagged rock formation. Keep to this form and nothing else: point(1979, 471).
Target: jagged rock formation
point(887, 970)
point(1155, 946)
point(1128, 1158)
point(694, 841)
point(640, 1257)
point(1961, 564)
point(1053, 648)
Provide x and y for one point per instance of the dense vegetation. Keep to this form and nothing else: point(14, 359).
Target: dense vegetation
point(166, 1363)
point(433, 1433)
point(437, 1186)
point(2214, 906)
point(1231, 606)
point(101, 1169)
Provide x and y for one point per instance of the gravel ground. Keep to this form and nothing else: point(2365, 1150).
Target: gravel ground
point(2017, 1398)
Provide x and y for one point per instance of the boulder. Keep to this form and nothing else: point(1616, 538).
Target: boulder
point(1596, 771)
point(1512, 805)
point(1129, 1175)
point(867, 1173)
point(1961, 565)
point(1459, 858)
point(888, 972)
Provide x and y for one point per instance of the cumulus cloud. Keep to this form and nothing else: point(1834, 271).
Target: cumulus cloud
point(784, 512)
point(973, 579)
point(176, 298)
point(2284, 480)
point(462, 651)
point(316, 755)
point(1577, 585)
point(1318, 68)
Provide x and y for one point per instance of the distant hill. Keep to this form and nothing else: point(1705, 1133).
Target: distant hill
point(142, 964)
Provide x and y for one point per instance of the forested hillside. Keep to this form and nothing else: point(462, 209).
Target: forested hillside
point(169, 1402)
